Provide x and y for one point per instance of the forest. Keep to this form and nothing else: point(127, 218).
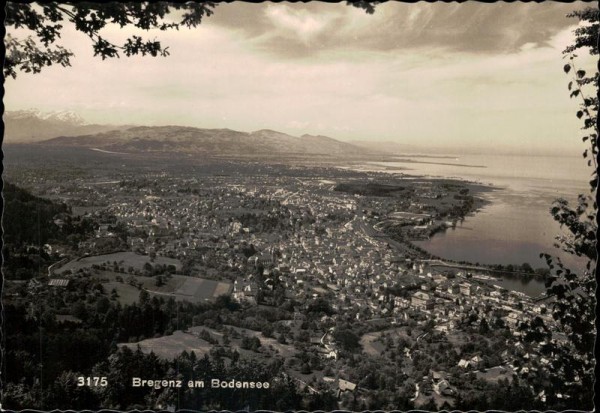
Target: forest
point(29, 222)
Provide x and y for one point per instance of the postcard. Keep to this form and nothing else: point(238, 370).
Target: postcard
point(299, 206)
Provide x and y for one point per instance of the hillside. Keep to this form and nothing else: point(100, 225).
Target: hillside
point(208, 141)
point(28, 218)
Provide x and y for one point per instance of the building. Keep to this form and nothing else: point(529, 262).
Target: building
point(476, 362)
point(262, 260)
point(344, 386)
point(513, 319)
point(465, 288)
point(244, 291)
point(58, 282)
point(421, 301)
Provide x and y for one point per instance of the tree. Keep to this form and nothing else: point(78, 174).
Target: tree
point(484, 327)
point(45, 24)
point(575, 292)
point(250, 343)
point(347, 340)
point(305, 369)
point(526, 267)
point(148, 268)
point(144, 297)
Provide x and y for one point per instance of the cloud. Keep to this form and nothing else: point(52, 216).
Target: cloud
point(301, 30)
point(395, 75)
point(297, 23)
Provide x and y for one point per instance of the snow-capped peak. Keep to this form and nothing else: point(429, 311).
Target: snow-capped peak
point(60, 116)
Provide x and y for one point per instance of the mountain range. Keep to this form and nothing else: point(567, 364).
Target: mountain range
point(207, 141)
point(28, 126)
point(68, 129)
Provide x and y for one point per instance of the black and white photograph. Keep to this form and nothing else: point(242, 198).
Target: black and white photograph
point(299, 206)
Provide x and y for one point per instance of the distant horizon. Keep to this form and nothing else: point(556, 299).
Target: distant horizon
point(410, 149)
point(464, 75)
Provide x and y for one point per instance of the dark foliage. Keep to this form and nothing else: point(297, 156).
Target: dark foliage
point(46, 22)
point(28, 218)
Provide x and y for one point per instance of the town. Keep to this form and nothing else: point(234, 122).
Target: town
point(317, 267)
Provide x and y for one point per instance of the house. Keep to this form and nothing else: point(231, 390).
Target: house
point(244, 290)
point(513, 319)
point(475, 362)
point(58, 282)
point(538, 309)
point(443, 328)
point(443, 388)
point(400, 302)
point(465, 288)
point(262, 260)
point(422, 301)
point(344, 386)
point(437, 376)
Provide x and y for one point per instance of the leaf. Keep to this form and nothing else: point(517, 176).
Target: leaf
point(579, 114)
point(567, 68)
point(570, 85)
point(580, 73)
point(575, 93)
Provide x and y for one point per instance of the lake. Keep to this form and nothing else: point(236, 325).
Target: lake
point(516, 225)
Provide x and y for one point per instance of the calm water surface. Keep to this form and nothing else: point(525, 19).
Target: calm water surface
point(516, 226)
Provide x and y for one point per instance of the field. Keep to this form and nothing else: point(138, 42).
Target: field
point(284, 350)
point(123, 259)
point(371, 345)
point(127, 294)
point(169, 347)
point(195, 290)
point(180, 287)
point(438, 399)
point(494, 374)
point(374, 346)
point(457, 339)
point(199, 289)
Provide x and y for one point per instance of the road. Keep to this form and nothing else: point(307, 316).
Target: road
point(310, 388)
point(371, 232)
point(416, 393)
point(420, 337)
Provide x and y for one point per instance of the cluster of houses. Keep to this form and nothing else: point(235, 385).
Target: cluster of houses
point(331, 256)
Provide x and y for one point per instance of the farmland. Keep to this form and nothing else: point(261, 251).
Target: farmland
point(121, 271)
point(495, 374)
point(123, 259)
point(201, 339)
point(374, 344)
point(169, 347)
point(183, 288)
point(179, 287)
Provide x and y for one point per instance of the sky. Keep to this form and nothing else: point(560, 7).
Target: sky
point(469, 76)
